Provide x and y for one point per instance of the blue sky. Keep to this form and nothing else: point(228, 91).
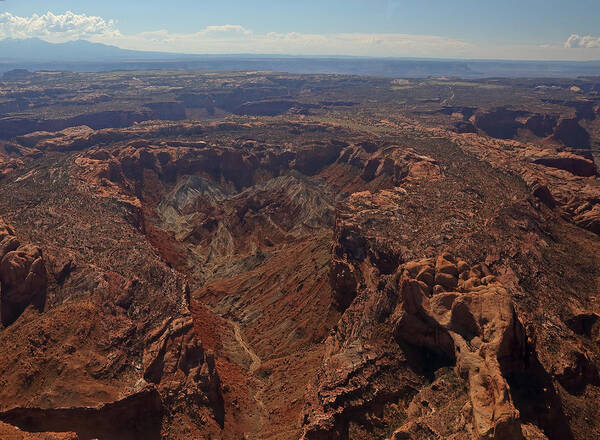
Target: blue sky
point(530, 29)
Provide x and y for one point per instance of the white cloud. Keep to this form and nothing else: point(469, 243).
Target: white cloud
point(586, 42)
point(227, 38)
point(234, 29)
point(51, 27)
point(234, 38)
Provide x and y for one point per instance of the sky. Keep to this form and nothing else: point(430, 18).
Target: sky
point(488, 29)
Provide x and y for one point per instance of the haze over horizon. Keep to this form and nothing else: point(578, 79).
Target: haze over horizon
point(537, 30)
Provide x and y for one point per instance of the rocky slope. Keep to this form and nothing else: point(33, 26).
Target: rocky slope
point(97, 324)
point(288, 279)
point(475, 325)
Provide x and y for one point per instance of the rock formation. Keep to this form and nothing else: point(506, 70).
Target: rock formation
point(23, 276)
point(570, 133)
point(500, 123)
point(463, 314)
point(382, 260)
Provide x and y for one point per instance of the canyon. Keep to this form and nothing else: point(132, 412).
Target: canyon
point(272, 256)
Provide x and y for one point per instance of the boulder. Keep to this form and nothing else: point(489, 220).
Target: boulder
point(543, 193)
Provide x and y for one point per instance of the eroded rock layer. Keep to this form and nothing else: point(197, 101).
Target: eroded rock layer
point(283, 278)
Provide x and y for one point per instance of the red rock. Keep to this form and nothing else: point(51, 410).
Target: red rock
point(541, 125)
point(23, 277)
point(542, 192)
point(569, 162)
point(570, 133)
point(293, 330)
point(500, 123)
point(446, 280)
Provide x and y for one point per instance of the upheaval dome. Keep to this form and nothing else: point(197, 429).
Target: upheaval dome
point(317, 258)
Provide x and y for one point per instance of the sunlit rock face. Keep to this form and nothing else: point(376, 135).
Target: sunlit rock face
point(308, 257)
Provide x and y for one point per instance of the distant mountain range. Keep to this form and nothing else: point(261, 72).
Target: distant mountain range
point(36, 50)
point(84, 56)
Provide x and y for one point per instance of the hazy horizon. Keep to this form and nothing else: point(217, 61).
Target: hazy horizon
point(467, 30)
